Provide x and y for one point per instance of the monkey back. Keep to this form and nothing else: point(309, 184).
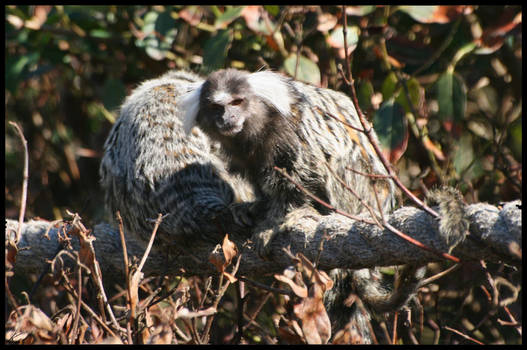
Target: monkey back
point(151, 166)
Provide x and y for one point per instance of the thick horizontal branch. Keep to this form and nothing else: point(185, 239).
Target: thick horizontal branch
point(495, 235)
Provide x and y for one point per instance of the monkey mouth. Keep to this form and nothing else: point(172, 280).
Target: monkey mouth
point(230, 129)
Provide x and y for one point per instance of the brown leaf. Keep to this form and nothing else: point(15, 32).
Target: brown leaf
point(289, 337)
point(316, 325)
point(39, 18)
point(298, 290)
point(230, 277)
point(493, 38)
point(326, 22)
point(320, 277)
point(229, 250)
point(191, 14)
point(435, 149)
point(11, 253)
point(252, 17)
point(217, 259)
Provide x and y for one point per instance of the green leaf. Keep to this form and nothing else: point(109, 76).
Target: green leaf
point(15, 68)
point(228, 16)
point(215, 50)
point(164, 23)
point(114, 92)
point(272, 9)
point(452, 100)
point(100, 33)
point(414, 92)
point(307, 70)
point(336, 38)
point(464, 162)
point(392, 129)
point(514, 140)
point(388, 86)
point(364, 94)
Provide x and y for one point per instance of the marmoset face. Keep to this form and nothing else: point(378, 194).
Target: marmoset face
point(225, 103)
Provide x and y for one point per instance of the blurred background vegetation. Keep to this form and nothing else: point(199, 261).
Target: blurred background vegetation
point(442, 85)
point(68, 69)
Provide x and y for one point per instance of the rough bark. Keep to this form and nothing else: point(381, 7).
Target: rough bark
point(495, 235)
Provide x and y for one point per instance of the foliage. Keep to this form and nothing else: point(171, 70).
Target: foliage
point(441, 84)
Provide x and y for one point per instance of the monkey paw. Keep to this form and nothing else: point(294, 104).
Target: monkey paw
point(263, 240)
point(242, 213)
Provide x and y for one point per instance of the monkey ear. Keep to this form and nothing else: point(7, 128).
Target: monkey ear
point(188, 106)
point(273, 88)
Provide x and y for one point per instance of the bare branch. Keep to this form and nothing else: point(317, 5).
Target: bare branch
point(495, 235)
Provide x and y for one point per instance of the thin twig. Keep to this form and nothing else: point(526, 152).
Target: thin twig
point(150, 243)
point(78, 309)
point(70, 290)
point(266, 287)
point(252, 318)
point(368, 130)
point(24, 182)
point(463, 335)
point(221, 292)
point(419, 244)
point(325, 204)
point(362, 201)
point(439, 275)
point(127, 275)
point(95, 268)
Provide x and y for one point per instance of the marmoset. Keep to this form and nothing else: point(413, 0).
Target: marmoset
point(154, 163)
point(265, 119)
point(150, 166)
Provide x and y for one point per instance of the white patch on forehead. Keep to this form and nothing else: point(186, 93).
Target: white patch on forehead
point(221, 97)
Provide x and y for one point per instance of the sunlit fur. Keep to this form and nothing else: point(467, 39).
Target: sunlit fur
point(151, 166)
point(287, 123)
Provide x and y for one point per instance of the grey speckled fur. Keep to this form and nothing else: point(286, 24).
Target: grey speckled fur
point(151, 166)
point(265, 119)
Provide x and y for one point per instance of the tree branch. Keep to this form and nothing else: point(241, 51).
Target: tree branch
point(495, 235)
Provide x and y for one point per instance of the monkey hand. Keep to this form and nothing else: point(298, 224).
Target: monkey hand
point(262, 240)
point(244, 214)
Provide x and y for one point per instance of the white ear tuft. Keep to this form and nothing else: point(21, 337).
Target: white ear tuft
point(273, 88)
point(188, 105)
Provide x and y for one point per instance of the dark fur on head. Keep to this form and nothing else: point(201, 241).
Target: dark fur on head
point(252, 131)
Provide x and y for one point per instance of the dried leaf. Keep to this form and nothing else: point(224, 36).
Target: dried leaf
point(230, 277)
point(40, 17)
point(229, 250)
point(289, 337)
point(493, 38)
point(320, 277)
point(217, 259)
point(298, 290)
point(316, 325)
point(191, 14)
point(326, 22)
point(429, 144)
point(254, 20)
point(11, 252)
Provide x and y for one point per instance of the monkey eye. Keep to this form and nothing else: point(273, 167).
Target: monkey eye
point(216, 106)
point(237, 101)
